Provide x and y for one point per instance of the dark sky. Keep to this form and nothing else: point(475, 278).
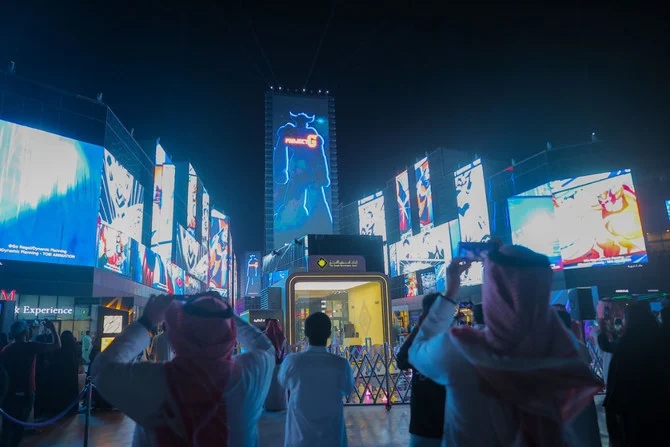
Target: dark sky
point(497, 80)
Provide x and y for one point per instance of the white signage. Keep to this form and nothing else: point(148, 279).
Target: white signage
point(43, 311)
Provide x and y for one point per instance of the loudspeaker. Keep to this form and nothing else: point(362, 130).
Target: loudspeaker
point(580, 303)
point(6, 315)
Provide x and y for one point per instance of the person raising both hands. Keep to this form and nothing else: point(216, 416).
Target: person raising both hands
point(516, 382)
point(204, 396)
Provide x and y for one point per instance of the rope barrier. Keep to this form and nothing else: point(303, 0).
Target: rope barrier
point(49, 421)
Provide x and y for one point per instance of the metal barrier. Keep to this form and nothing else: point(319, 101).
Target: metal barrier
point(87, 391)
point(377, 378)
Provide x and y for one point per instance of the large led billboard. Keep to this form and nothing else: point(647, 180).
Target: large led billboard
point(113, 250)
point(192, 201)
point(371, 217)
point(473, 214)
point(251, 274)
point(148, 268)
point(404, 208)
point(667, 208)
point(49, 193)
point(424, 194)
point(301, 171)
point(219, 252)
point(421, 251)
point(204, 232)
point(188, 255)
point(121, 199)
point(162, 219)
point(534, 226)
point(608, 219)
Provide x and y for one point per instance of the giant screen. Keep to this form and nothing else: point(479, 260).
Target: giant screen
point(534, 226)
point(371, 217)
point(49, 193)
point(424, 193)
point(473, 214)
point(219, 252)
point(192, 205)
point(121, 199)
point(251, 274)
point(421, 251)
point(302, 196)
point(162, 219)
point(404, 208)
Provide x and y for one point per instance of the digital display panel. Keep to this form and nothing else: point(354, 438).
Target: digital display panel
point(424, 194)
point(121, 199)
point(149, 269)
point(188, 255)
point(162, 219)
point(371, 217)
point(112, 324)
point(192, 201)
point(113, 250)
point(404, 208)
point(441, 277)
point(235, 288)
point(219, 252)
point(411, 285)
point(421, 251)
point(275, 277)
point(608, 218)
point(533, 225)
point(473, 214)
point(176, 276)
point(49, 194)
point(454, 236)
point(251, 274)
point(429, 281)
point(204, 239)
point(302, 195)
point(667, 208)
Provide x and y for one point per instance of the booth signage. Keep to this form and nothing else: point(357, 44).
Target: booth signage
point(7, 296)
point(29, 311)
point(337, 264)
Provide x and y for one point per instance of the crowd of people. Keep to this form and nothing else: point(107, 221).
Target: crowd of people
point(515, 376)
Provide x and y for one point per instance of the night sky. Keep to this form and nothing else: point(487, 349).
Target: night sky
point(496, 80)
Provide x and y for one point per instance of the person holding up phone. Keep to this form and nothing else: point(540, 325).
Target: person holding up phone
point(487, 372)
point(204, 396)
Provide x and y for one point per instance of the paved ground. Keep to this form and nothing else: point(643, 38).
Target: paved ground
point(367, 426)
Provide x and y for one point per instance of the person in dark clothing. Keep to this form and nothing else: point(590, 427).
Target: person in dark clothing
point(604, 342)
point(4, 341)
point(428, 398)
point(64, 375)
point(18, 360)
point(637, 392)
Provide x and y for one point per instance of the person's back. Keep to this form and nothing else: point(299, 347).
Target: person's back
point(317, 382)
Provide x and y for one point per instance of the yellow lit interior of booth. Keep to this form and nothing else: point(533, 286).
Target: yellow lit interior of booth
point(358, 305)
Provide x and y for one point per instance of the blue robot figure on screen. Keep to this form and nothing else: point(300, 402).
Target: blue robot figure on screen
point(301, 165)
point(253, 275)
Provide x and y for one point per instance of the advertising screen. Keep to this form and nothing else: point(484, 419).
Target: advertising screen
point(533, 225)
point(219, 251)
point(204, 235)
point(121, 199)
point(149, 269)
point(188, 255)
point(441, 277)
point(411, 284)
point(424, 194)
point(162, 219)
point(473, 214)
point(454, 236)
point(429, 281)
point(607, 216)
point(251, 274)
point(176, 276)
point(192, 205)
point(113, 250)
point(421, 251)
point(404, 209)
point(302, 194)
point(667, 208)
point(371, 217)
point(49, 193)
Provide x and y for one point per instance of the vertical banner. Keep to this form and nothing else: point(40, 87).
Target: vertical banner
point(371, 217)
point(424, 194)
point(192, 204)
point(219, 253)
point(162, 217)
point(250, 284)
point(473, 214)
point(404, 208)
point(302, 199)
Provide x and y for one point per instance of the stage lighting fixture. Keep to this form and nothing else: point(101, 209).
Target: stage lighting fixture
point(327, 92)
point(272, 87)
point(319, 92)
point(99, 97)
point(279, 87)
point(304, 90)
point(594, 138)
point(549, 146)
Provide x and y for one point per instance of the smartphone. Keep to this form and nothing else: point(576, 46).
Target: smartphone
point(475, 251)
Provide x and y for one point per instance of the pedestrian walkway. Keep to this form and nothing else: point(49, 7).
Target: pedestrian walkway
point(367, 426)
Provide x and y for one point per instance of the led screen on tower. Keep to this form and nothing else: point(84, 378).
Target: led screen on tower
point(371, 217)
point(49, 195)
point(404, 208)
point(162, 217)
point(424, 194)
point(192, 204)
point(251, 274)
point(219, 252)
point(302, 196)
point(473, 214)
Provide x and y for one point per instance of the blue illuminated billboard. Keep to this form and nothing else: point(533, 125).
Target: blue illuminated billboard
point(424, 194)
point(301, 178)
point(251, 274)
point(534, 226)
point(49, 195)
point(219, 253)
point(404, 208)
